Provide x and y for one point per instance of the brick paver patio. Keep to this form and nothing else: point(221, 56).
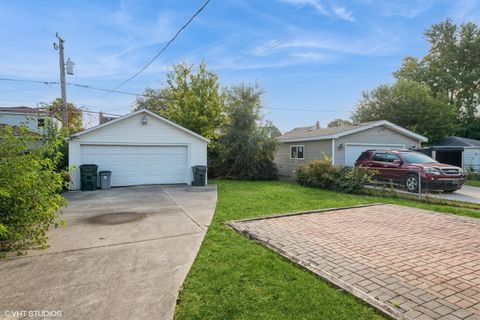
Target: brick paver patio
point(409, 263)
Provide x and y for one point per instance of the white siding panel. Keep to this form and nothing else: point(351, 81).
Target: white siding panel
point(471, 159)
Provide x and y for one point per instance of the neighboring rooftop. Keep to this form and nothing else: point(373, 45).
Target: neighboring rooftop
point(317, 133)
point(454, 141)
point(21, 109)
point(313, 131)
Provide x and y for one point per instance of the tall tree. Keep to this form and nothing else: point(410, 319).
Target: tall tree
point(192, 98)
point(410, 105)
point(246, 149)
point(451, 68)
point(75, 115)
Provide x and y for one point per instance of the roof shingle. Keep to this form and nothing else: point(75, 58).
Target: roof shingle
point(312, 131)
point(458, 142)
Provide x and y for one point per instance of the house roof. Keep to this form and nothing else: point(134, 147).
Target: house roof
point(21, 109)
point(109, 123)
point(454, 141)
point(311, 133)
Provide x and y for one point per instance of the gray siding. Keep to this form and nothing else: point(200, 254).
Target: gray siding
point(373, 136)
point(314, 150)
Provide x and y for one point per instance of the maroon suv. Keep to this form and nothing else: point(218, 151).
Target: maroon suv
point(406, 167)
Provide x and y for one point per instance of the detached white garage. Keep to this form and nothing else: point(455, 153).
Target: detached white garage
point(139, 148)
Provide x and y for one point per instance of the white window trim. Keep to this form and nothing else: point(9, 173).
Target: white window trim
point(297, 145)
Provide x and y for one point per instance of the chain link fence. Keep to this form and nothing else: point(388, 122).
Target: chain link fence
point(448, 184)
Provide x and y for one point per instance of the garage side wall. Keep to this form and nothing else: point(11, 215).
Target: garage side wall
point(314, 150)
point(375, 135)
point(131, 131)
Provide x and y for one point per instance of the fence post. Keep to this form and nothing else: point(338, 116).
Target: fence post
point(419, 185)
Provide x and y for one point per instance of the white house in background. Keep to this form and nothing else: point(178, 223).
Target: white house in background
point(33, 118)
point(139, 148)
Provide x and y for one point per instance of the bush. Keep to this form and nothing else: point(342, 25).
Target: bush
point(30, 188)
point(322, 174)
point(319, 174)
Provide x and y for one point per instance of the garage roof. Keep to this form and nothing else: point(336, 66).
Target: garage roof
point(134, 114)
point(458, 142)
point(313, 133)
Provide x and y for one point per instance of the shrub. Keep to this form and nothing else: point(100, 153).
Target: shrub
point(322, 174)
point(30, 188)
point(353, 180)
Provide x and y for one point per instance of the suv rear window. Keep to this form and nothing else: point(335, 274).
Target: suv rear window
point(364, 156)
point(385, 157)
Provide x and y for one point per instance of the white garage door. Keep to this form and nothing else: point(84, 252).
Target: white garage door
point(352, 152)
point(136, 165)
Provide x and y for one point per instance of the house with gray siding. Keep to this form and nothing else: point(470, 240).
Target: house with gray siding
point(341, 144)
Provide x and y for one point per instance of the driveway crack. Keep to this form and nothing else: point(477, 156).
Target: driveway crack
point(183, 210)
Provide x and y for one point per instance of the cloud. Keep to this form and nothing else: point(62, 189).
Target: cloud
point(405, 9)
point(466, 10)
point(311, 56)
point(333, 11)
point(311, 3)
point(374, 45)
point(343, 13)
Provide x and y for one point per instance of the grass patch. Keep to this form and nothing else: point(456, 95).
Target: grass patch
point(235, 278)
point(474, 183)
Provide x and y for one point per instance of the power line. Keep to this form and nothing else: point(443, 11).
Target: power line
point(164, 47)
point(117, 91)
point(84, 86)
point(256, 52)
point(31, 81)
point(83, 109)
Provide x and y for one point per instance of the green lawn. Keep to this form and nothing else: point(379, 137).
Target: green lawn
point(475, 183)
point(236, 278)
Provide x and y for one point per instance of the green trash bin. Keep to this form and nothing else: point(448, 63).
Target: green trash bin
point(88, 177)
point(199, 175)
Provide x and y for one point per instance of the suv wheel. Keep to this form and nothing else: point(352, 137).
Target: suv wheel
point(411, 182)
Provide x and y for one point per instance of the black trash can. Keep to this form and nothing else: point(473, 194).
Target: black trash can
point(105, 180)
point(88, 177)
point(199, 175)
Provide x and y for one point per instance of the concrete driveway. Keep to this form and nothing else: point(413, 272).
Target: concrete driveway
point(123, 255)
point(466, 194)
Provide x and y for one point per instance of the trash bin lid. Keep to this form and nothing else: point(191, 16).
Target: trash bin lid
point(105, 172)
point(88, 166)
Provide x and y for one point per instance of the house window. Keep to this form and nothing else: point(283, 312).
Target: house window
point(40, 122)
point(297, 152)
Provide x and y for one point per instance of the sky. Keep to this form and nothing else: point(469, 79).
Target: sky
point(313, 58)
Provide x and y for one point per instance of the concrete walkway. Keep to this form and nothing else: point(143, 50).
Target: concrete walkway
point(408, 263)
point(123, 255)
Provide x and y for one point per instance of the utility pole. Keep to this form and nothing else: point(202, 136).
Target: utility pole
point(59, 47)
